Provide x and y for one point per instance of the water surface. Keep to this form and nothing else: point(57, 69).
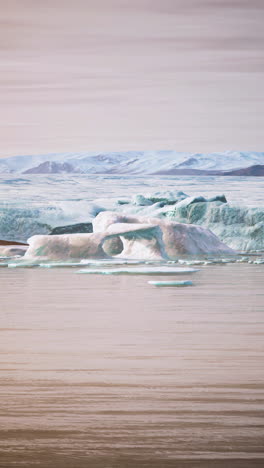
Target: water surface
point(112, 372)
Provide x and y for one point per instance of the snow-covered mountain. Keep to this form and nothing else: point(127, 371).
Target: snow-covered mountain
point(52, 167)
point(130, 162)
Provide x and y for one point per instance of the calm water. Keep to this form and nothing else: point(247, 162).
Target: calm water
point(112, 372)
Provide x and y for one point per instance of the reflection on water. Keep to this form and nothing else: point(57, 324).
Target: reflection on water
point(112, 372)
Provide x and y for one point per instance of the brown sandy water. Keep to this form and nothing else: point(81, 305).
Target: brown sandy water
point(112, 372)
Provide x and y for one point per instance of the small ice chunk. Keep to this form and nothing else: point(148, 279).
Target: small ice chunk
point(123, 202)
point(243, 260)
point(259, 261)
point(191, 262)
point(171, 283)
point(223, 261)
point(140, 200)
point(167, 197)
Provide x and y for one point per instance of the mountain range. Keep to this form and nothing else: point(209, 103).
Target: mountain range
point(138, 163)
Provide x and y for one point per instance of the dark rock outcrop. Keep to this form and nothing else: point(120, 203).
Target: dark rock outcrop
point(72, 229)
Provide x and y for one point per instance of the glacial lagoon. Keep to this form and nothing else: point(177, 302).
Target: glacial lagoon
point(111, 371)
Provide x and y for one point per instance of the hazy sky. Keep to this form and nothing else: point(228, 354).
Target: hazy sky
point(131, 74)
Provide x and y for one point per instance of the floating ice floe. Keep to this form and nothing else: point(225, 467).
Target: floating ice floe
point(223, 261)
point(192, 262)
point(60, 264)
point(98, 263)
point(112, 262)
point(23, 264)
point(171, 283)
point(139, 271)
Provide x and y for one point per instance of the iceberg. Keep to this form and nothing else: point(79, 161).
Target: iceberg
point(241, 228)
point(137, 238)
point(238, 226)
point(17, 224)
point(158, 238)
point(64, 217)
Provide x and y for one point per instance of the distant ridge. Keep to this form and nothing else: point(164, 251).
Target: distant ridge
point(137, 163)
point(253, 171)
point(256, 171)
point(52, 167)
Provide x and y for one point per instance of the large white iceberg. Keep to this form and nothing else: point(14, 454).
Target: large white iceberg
point(141, 238)
point(160, 238)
